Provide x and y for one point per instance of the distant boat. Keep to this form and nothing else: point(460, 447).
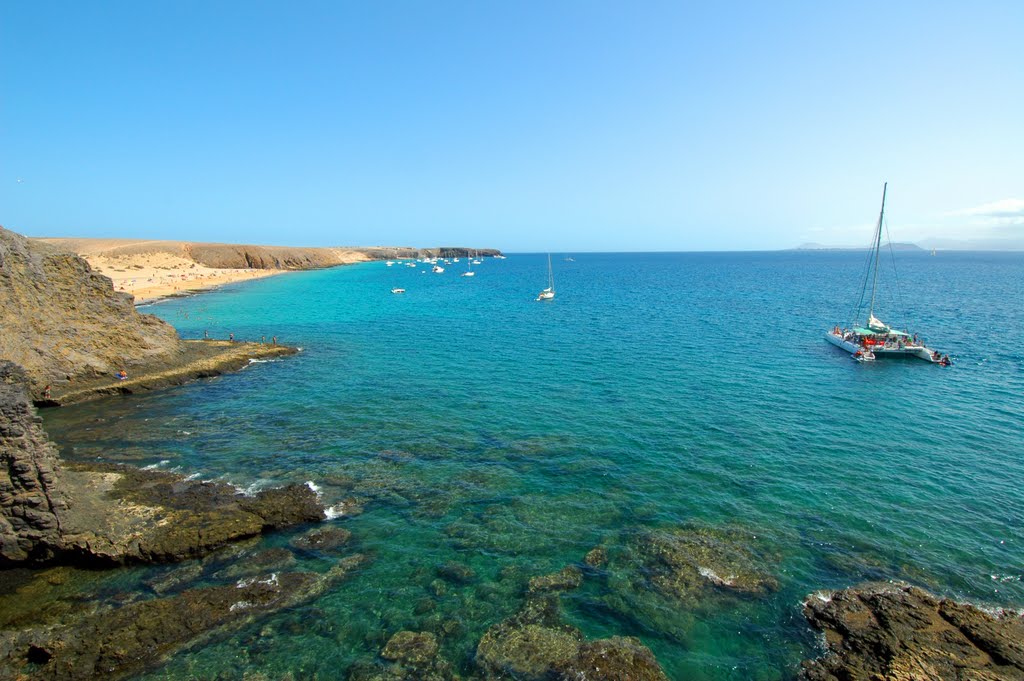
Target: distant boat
point(438, 269)
point(549, 292)
point(398, 290)
point(469, 269)
point(933, 251)
point(569, 258)
point(876, 339)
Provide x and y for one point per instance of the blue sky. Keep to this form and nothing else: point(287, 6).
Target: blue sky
point(564, 126)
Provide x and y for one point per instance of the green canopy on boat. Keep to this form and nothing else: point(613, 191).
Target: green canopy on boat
point(861, 331)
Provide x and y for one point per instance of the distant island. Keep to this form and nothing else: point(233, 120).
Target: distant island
point(928, 245)
point(822, 247)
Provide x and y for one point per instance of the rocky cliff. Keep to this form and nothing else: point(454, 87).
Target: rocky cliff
point(61, 322)
point(32, 501)
point(244, 256)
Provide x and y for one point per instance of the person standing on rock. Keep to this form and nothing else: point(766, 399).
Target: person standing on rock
point(231, 337)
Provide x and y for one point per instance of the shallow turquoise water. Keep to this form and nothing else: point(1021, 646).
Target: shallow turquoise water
point(657, 390)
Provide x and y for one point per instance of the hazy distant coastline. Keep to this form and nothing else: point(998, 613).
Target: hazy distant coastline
point(929, 244)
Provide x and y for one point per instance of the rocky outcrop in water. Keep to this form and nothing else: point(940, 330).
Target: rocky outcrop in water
point(536, 645)
point(32, 500)
point(60, 321)
point(125, 515)
point(902, 633)
point(663, 579)
point(115, 644)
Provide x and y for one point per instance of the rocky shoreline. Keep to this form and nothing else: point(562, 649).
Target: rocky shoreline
point(66, 334)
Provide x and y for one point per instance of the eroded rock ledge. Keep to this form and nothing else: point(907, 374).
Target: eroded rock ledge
point(108, 515)
point(899, 632)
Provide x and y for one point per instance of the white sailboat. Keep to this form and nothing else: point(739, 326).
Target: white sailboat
point(549, 292)
point(876, 339)
point(469, 269)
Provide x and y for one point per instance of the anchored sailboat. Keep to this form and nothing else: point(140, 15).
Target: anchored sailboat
point(549, 292)
point(876, 338)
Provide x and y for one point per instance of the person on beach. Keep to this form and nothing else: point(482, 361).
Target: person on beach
point(122, 375)
point(231, 337)
point(206, 334)
point(273, 339)
point(46, 392)
point(263, 339)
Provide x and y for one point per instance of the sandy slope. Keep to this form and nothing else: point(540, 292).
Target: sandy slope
point(156, 269)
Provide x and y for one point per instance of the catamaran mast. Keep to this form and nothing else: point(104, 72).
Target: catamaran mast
point(878, 244)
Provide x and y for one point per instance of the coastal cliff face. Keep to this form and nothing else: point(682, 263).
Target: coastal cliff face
point(248, 256)
point(32, 501)
point(60, 321)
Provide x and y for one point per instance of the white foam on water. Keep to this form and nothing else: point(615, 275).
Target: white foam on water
point(314, 487)
point(154, 466)
point(240, 605)
point(333, 512)
point(709, 574)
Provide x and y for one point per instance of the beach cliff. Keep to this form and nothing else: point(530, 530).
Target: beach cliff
point(65, 334)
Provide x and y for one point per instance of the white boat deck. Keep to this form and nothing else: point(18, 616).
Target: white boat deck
point(889, 349)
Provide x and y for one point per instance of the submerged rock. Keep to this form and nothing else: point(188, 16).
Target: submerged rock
point(566, 579)
point(661, 579)
point(121, 642)
point(456, 573)
point(612, 659)
point(596, 557)
point(322, 539)
point(902, 633)
point(536, 645)
point(407, 656)
point(411, 648)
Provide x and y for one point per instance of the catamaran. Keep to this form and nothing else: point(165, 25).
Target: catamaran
point(875, 338)
point(549, 292)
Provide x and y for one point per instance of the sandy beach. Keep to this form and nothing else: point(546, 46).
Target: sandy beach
point(150, 276)
point(150, 270)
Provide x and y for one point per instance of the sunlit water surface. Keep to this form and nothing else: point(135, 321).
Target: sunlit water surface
point(656, 391)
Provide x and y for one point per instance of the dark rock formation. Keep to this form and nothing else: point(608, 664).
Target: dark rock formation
point(62, 321)
point(125, 515)
point(32, 500)
point(120, 643)
point(902, 633)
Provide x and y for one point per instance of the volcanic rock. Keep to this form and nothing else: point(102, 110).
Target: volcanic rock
point(899, 632)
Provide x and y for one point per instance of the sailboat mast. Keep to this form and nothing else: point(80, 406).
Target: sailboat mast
point(551, 277)
point(878, 244)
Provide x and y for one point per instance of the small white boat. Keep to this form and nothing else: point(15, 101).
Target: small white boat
point(398, 290)
point(389, 263)
point(875, 338)
point(549, 292)
point(437, 269)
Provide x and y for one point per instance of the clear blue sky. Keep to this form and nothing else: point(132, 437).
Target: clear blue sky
point(565, 126)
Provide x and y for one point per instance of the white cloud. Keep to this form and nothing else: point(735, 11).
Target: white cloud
point(1004, 212)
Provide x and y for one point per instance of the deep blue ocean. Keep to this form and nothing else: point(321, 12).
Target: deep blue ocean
point(656, 391)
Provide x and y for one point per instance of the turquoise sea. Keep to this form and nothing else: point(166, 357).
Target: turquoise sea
point(657, 391)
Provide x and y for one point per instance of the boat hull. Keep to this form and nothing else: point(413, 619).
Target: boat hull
point(880, 351)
